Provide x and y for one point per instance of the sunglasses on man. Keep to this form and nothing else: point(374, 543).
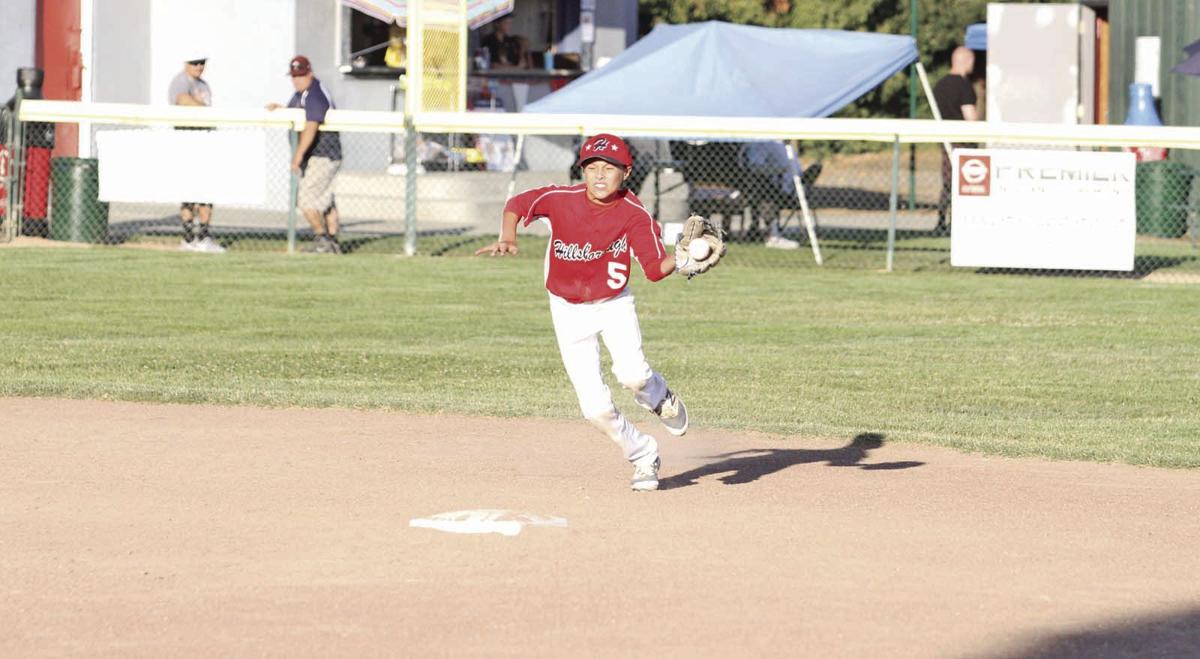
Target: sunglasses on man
point(197, 62)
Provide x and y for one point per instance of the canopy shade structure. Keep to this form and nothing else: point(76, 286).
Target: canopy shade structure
point(976, 36)
point(479, 12)
point(1191, 65)
point(721, 69)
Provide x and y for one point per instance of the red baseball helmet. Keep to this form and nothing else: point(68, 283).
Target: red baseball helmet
point(606, 147)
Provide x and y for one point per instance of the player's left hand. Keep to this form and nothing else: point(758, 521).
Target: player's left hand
point(499, 248)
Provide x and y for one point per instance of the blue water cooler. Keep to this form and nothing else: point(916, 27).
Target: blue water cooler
point(1141, 106)
point(1143, 113)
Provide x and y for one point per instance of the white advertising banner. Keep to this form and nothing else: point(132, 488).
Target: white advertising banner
point(171, 166)
point(1070, 210)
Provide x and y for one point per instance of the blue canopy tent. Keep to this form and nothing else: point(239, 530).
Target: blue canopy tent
point(727, 70)
point(976, 36)
point(721, 69)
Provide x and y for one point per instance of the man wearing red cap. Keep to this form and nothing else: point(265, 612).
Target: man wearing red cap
point(595, 228)
point(318, 156)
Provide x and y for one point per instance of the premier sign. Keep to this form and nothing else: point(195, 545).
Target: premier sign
point(1072, 210)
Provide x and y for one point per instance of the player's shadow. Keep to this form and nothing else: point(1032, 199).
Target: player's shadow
point(1165, 634)
point(748, 466)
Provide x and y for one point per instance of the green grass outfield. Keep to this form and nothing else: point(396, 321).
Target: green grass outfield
point(1062, 367)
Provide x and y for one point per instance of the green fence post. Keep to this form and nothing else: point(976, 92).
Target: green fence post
point(893, 203)
point(9, 174)
point(293, 186)
point(16, 190)
point(410, 187)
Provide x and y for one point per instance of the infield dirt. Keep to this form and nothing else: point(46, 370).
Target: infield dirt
point(154, 530)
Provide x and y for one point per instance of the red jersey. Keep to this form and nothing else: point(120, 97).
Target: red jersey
point(588, 257)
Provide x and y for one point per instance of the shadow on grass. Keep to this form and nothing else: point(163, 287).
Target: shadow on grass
point(823, 196)
point(122, 232)
point(1142, 266)
point(748, 466)
point(168, 228)
point(1164, 635)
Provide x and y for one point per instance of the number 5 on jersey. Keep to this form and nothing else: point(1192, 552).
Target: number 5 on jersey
point(617, 275)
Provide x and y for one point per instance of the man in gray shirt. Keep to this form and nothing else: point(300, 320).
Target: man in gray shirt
point(188, 88)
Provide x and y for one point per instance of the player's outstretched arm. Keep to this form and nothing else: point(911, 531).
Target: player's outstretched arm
point(507, 243)
point(668, 266)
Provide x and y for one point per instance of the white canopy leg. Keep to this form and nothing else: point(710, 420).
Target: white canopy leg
point(809, 225)
point(937, 114)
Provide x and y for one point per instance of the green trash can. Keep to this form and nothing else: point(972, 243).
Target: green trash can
point(1162, 189)
point(76, 212)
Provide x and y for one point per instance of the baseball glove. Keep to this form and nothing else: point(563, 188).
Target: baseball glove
point(694, 229)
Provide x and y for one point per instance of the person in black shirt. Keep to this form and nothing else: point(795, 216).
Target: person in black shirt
point(504, 48)
point(955, 98)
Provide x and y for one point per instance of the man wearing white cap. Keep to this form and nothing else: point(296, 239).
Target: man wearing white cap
point(188, 88)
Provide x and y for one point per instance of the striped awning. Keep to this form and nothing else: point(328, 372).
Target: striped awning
point(479, 12)
point(482, 12)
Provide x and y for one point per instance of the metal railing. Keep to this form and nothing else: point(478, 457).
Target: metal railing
point(791, 192)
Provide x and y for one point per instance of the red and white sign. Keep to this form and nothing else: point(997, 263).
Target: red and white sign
point(974, 175)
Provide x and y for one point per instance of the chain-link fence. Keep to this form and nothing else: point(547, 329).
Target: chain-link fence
point(784, 203)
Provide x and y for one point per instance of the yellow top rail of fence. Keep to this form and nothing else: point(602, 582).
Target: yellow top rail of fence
point(133, 114)
point(522, 123)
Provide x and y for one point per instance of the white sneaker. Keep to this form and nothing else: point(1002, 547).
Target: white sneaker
point(209, 245)
point(185, 246)
point(779, 242)
point(645, 474)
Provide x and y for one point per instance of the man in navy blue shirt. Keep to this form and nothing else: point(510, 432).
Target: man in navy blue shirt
point(318, 157)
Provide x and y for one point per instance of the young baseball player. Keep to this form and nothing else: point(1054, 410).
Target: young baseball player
point(595, 229)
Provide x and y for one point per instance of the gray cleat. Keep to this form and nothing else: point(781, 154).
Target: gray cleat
point(645, 475)
point(673, 414)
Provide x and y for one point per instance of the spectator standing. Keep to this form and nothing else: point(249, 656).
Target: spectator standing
point(189, 88)
point(956, 101)
point(317, 159)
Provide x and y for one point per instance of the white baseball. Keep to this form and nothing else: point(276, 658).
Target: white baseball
point(699, 249)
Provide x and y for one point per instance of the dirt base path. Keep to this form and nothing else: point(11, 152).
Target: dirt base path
point(153, 530)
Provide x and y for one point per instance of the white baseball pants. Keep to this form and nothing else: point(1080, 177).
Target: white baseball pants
point(578, 326)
